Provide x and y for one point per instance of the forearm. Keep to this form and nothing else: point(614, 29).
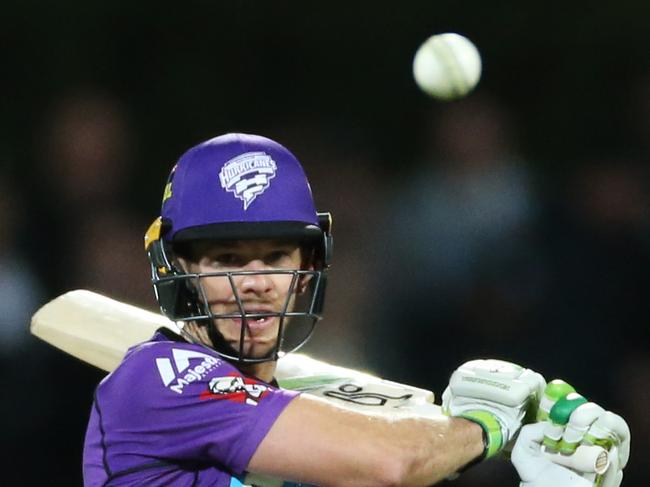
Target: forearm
point(444, 445)
point(315, 442)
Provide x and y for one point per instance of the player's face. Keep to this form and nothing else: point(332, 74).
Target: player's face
point(258, 293)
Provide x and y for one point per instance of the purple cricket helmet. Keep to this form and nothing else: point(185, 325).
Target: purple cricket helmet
point(229, 185)
point(239, 187)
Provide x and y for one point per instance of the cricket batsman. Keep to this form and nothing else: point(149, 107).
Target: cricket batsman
point(239, 257)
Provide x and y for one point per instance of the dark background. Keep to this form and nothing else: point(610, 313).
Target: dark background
point(512, 224)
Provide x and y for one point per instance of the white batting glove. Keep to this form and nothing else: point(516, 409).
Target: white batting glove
point(495, 394)
point(592, 443)
point(536, 469)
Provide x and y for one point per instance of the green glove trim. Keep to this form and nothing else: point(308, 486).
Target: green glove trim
point(561, 410)
point(567, 448)
point(550, 443)
point(606, 443)
point(554, 391)
point(491, 429)
point(557, 389)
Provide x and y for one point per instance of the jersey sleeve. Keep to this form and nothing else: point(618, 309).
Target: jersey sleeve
point(177, 402)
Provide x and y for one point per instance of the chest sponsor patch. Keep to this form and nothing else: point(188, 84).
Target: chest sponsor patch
point(248, 175)
point(236, 388)
point(185, 367)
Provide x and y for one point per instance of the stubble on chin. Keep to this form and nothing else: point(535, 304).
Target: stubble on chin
point(231, 336)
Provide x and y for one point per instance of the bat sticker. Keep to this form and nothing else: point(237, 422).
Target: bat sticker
point(356, 395)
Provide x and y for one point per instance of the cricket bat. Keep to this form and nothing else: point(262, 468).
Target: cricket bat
point(94, 328)
point(99, 330)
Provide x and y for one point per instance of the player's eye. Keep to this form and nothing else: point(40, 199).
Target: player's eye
point(277, 257)
point(225, 259)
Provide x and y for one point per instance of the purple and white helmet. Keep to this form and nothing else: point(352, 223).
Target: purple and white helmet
point(238, 187)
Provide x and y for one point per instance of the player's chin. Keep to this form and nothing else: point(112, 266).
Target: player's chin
point(260, 336)
point(257, 340)
point(255, 348)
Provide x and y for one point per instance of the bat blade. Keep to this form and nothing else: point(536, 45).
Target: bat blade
point(95, 328)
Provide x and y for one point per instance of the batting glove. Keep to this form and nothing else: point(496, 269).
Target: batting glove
point(592, 444)
point(497, 395)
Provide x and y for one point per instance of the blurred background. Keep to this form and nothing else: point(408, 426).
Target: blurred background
point(511, 224)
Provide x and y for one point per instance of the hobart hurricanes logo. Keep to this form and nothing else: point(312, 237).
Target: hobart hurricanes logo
point(248, 175)
point(178, 374)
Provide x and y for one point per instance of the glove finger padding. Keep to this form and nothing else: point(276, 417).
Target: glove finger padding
point(614, 474)
point(611, 430)
point(495, 394)
point(573, 423)
point(579, 422)
point(536, 469)
point(612, 433)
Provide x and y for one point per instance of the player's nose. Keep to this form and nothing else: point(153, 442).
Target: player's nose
point(258, 283)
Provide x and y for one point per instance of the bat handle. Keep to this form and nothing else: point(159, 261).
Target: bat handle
point(586, 459)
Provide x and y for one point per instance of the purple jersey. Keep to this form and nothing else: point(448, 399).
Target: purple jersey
point(175, 413)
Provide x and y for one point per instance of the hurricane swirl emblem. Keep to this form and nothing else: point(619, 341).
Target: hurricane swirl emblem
point(248, 175)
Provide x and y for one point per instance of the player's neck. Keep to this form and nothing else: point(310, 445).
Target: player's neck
point(263, 370)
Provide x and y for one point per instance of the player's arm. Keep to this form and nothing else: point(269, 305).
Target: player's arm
point(315, 442)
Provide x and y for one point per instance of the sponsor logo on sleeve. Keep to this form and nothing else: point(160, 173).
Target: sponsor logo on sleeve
point(185, 367)
point(237, 389)
point(248, 175)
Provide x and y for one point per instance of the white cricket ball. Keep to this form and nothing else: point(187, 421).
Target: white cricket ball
point(447, 66)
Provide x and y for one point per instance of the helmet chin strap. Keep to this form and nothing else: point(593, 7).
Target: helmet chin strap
point(219, 343)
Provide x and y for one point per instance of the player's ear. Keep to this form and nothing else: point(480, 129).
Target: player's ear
point(304, 280)
point(301, 288)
